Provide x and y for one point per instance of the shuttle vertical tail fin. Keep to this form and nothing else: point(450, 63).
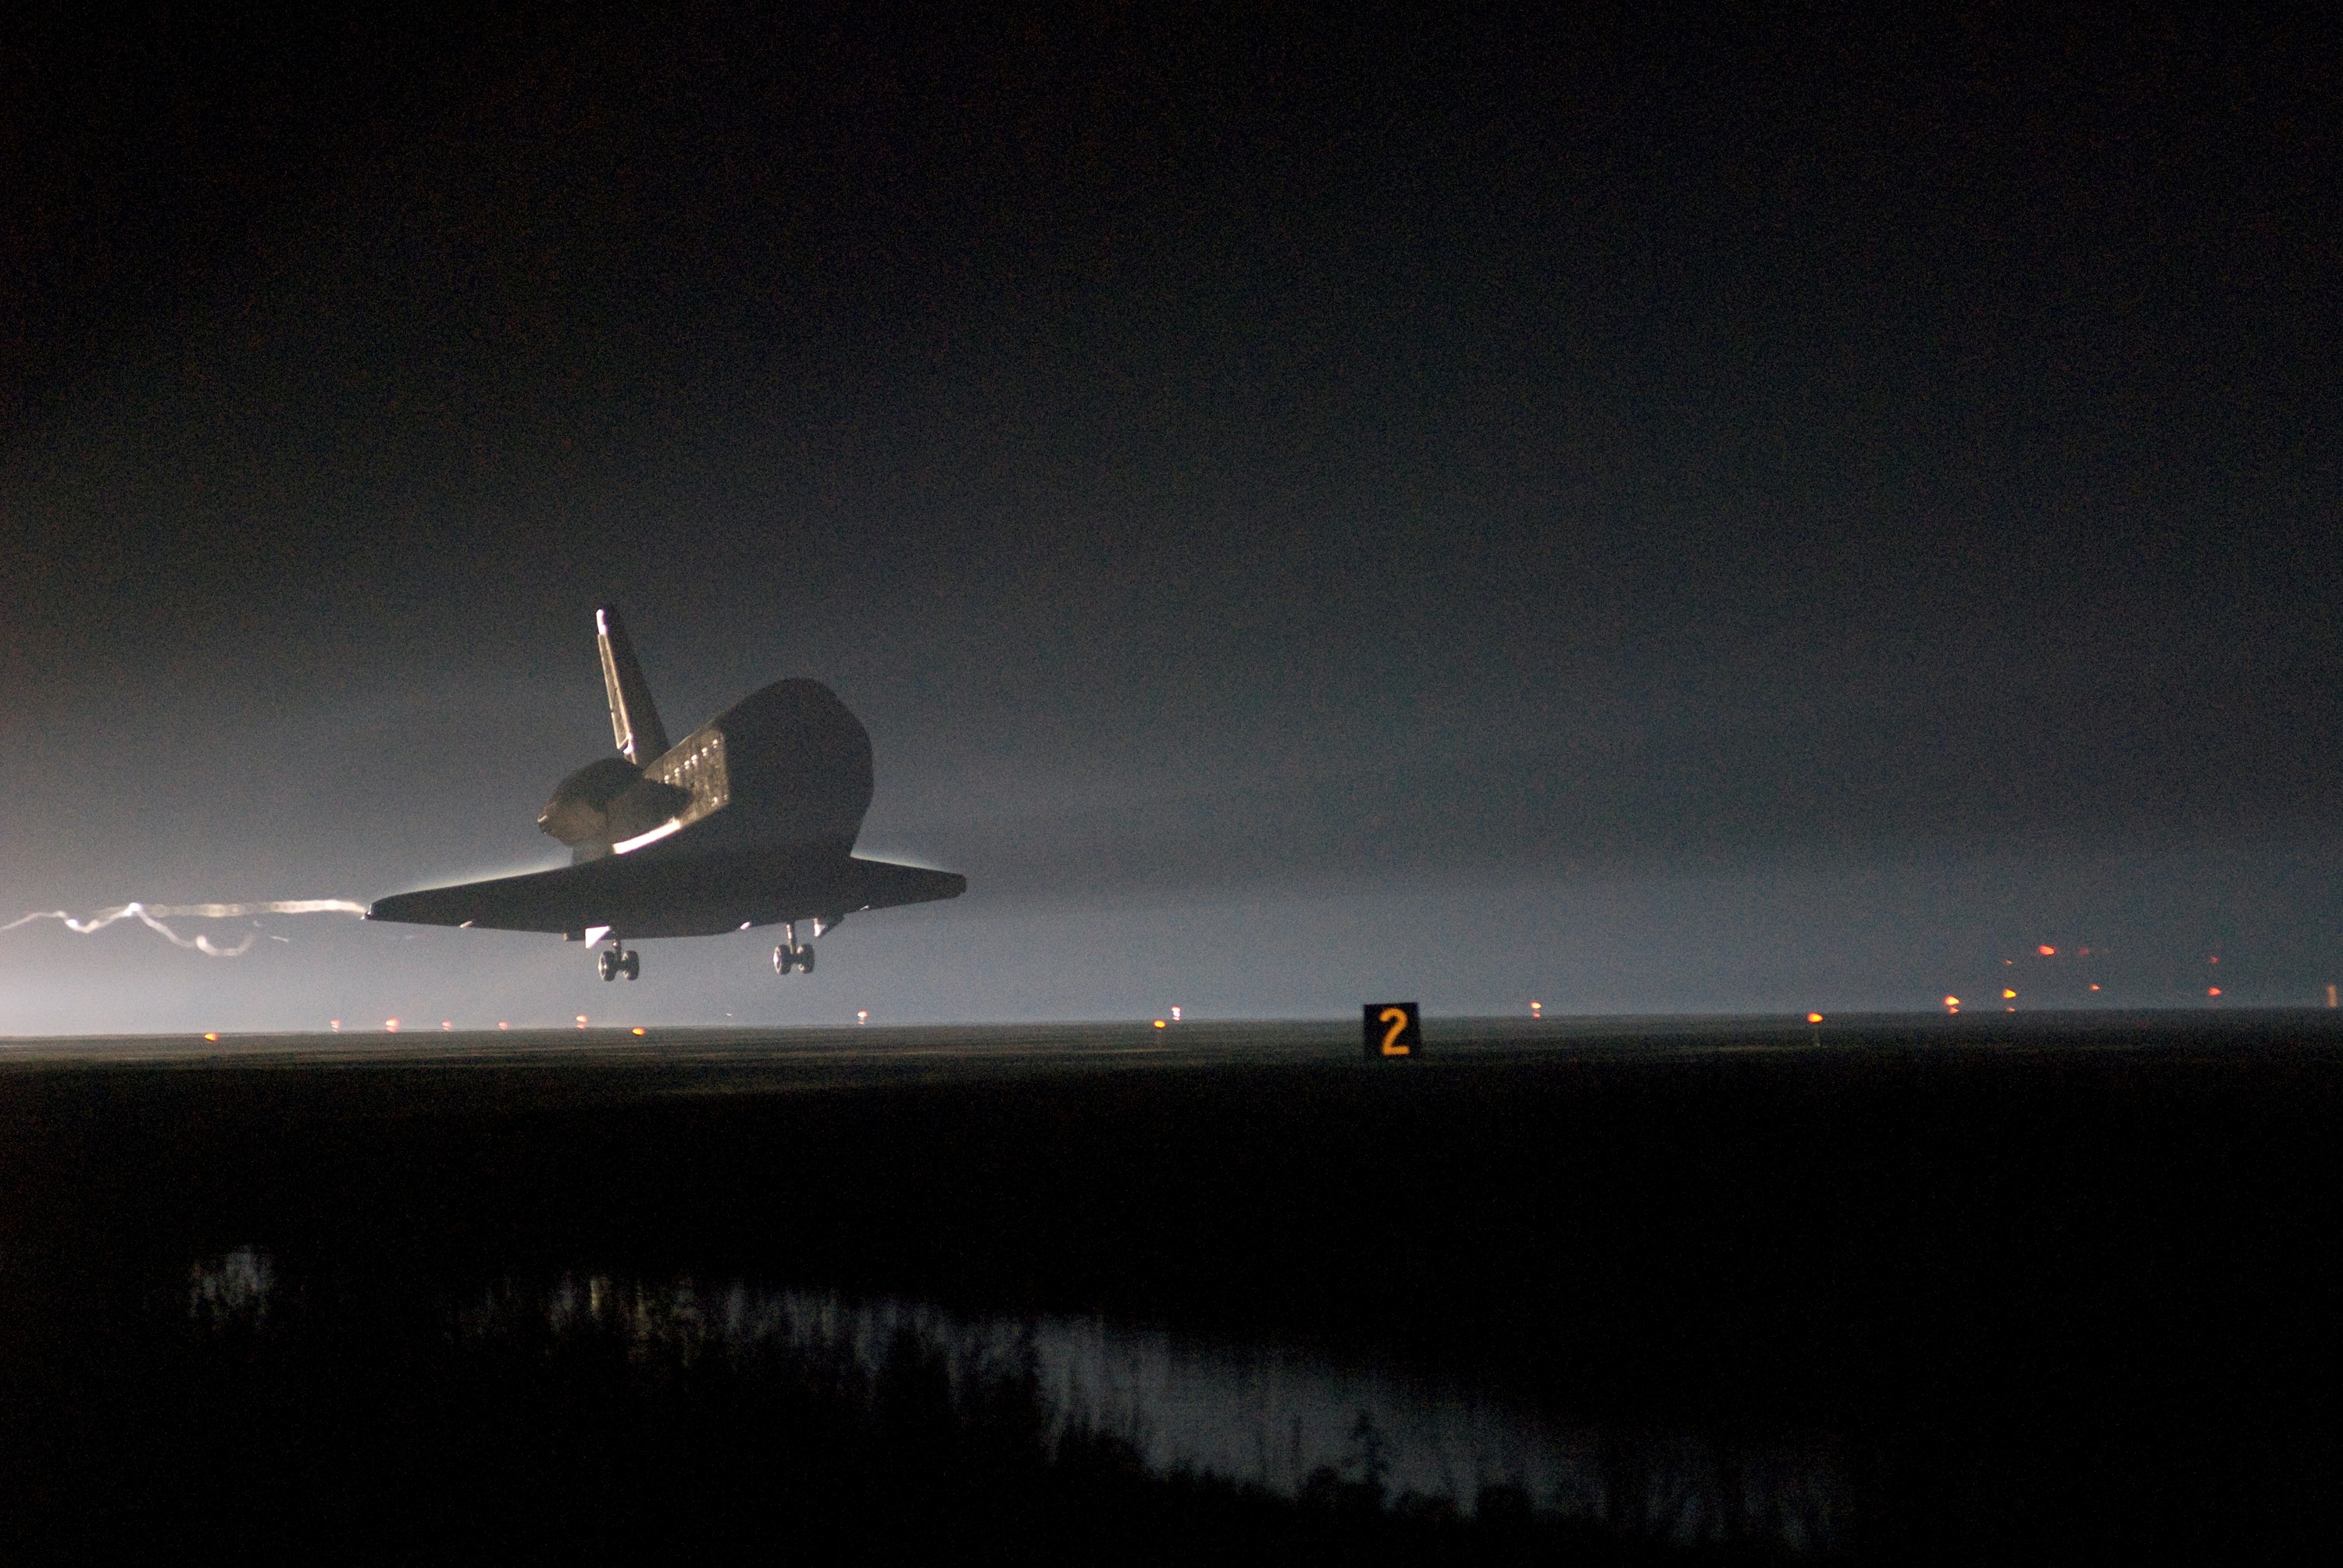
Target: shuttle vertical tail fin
point(634, 721)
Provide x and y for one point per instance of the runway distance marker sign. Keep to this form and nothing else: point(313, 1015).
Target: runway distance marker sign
point(1393, 1029)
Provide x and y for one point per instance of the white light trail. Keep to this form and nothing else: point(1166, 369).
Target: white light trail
point(153, 915)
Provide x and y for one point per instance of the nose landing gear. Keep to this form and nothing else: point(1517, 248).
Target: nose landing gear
point(616, 961)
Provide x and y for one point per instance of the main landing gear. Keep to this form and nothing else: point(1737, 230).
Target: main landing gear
point(616, 961)
point(792, 954)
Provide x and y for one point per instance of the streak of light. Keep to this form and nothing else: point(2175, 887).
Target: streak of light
point(152, 917)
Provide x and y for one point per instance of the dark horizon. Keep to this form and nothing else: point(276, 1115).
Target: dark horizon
point(1700, 514)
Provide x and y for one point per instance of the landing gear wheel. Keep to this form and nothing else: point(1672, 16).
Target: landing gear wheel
point(608, 964)
point(790, 956)
point(781, 960)
point(805, 959)
point(630, 965)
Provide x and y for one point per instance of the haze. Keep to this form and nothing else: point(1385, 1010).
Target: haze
point(1736, 515)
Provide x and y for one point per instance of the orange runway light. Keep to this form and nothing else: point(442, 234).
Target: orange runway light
point(2048, 952)
point(581, 1020)
point(1814, 1018)
point(391, 1025)
point(1159, 1023)
point(210, 1036)
point(2007, 994)
point(1952, 1001)
point(338, 1026)
point(2212, 990)
point(444, 1024)
point(500, 1024)
point(639, 1031)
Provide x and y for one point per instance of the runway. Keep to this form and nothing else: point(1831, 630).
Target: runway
point(733, 1058)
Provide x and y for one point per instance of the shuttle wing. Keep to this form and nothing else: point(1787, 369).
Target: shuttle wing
point(646, 896)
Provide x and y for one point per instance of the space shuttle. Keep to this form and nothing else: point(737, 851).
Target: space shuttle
point(749, 820)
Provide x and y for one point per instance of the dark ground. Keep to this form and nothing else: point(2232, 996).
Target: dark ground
point(2054, 1286)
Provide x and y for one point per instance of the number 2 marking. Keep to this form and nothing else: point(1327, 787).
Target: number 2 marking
point(1397, 1018)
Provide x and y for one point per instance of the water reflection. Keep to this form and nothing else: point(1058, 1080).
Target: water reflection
point(233, 1290)
point(1261, 1415)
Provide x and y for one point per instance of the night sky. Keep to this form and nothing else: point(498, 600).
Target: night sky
point(1722, 511)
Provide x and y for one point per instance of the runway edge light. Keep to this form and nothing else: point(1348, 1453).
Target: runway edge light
point(1393, 1029)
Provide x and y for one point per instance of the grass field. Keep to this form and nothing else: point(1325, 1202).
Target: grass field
point(2026, 1285)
